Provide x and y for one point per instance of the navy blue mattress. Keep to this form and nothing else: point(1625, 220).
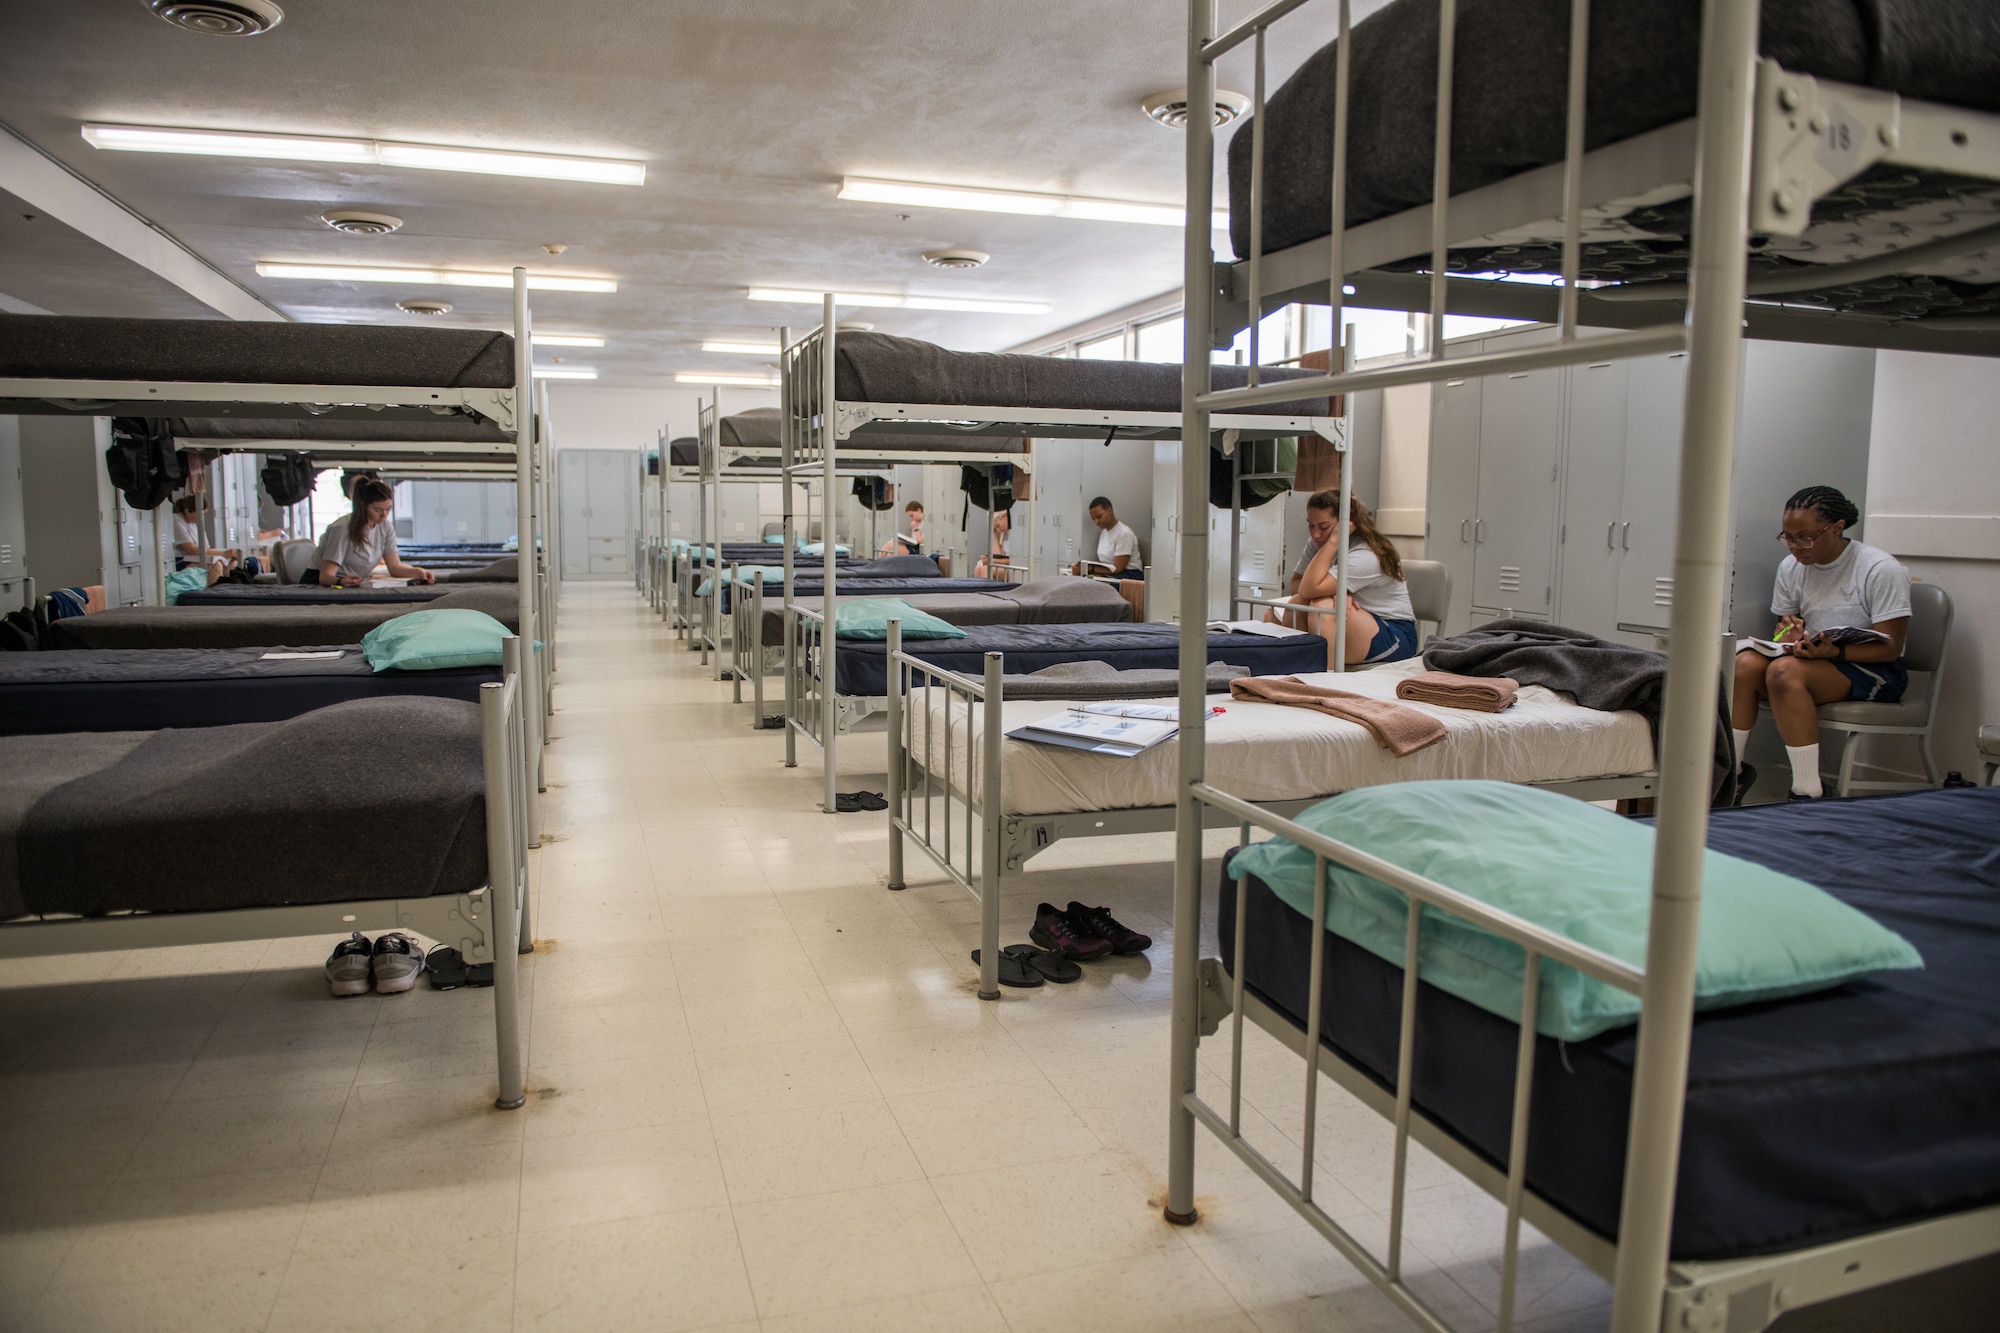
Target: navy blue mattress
point(148, 689)
point(862, 667)
point(305, 594)
point(1808, 1120)
point(861, 587)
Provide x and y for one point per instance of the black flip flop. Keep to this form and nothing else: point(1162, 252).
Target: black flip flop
point(1014, 972)
point(1051, 965)
point(850, 802)
point(479, 974)
point(446, 968)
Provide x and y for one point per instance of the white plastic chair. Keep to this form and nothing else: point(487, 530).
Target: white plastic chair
point(1923, 654)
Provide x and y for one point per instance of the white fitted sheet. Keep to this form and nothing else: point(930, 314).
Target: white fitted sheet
point(1267, 752)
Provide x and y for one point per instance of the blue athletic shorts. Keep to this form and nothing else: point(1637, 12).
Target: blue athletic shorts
point(1875, 682)
point(1394, 641)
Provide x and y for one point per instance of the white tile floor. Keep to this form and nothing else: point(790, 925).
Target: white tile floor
point(762, 1096)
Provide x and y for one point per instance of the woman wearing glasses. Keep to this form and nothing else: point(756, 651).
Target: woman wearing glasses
point(1828, 582)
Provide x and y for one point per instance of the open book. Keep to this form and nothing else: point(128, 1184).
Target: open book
point(1116, 727)
point(1269, 629)
point(1849, 635)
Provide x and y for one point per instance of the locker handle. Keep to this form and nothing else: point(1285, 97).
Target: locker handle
point(1478, 531)
point(1464, 525)
point(1625, 536)
point(1610, 535)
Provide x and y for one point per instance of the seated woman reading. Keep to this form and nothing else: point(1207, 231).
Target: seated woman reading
point(1828, 582)
point(1381, 624)
point(352, 547)
point(1003, 527)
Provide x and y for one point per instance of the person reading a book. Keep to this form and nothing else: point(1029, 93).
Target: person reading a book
point(910, 541)
point(1003, 528)
point(1381, 623)
point(1843, 610)
point(1117, 545)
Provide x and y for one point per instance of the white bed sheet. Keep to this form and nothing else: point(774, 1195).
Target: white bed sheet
point(1267, 752)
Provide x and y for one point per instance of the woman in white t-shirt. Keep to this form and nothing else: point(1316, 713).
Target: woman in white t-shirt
point(1381, 623)
point(351, 548)
point(191, 549)
point(1003, 527)
point(1828, 581)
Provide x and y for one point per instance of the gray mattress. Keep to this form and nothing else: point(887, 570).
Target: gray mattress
point(258, 626)
point(1058, 601)
point(308, 430)
point(1508, 104)
point(507, 569)
point(758, 428)
point(132, 821)
point(222, 351)
point(878, 368)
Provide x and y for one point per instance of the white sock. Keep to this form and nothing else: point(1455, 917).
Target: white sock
point(1805, 769)
point(1742, 739)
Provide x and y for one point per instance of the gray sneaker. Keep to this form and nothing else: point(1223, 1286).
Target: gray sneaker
point(398, 962)
point(347, 969)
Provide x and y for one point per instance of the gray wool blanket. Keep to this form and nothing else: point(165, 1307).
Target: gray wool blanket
point(1101, 680)
point(369, 799)
point(1595, 672)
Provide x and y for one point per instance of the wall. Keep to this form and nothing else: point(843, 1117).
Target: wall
point(1934, 501)
point(588, 416)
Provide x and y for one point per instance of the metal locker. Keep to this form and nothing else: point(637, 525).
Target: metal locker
point(1593, 497)
point(1453, 498)
point(1657, 386)
point(1513, 527)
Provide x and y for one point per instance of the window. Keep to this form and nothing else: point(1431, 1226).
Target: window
point(1161, 340)
point(1110, 347)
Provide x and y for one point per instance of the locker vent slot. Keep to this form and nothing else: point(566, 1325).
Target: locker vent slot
point(1663, 592)
point(1510, 578)
point(6, 553)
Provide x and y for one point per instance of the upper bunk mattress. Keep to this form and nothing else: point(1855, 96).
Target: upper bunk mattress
point(147, 689)
point(878, 368)
point(261, 625)
point(1057, 601)
point(1508, 116)
point(306, 594)
point(1808, 1119)
point(302, 432)
point(131, 820)
point(221, 351)
point(760, 427)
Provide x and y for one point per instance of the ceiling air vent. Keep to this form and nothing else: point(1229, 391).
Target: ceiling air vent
point(361, 224)
point(424, 307)
point(219, 18)
point(1170, 108)
point(955, 258)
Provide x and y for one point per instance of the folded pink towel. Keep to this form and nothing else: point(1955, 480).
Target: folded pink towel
point(1402, 731)
point(1482, 694)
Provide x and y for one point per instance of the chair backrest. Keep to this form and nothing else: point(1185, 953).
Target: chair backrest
point(1430, 590)
point(1930, 626)
point(774, 530)
point(294, 558)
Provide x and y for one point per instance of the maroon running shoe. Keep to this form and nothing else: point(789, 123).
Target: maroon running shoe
point(1055, 930)
point(1099, 922)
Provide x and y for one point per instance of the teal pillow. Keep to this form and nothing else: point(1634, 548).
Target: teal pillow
point(1580, 871)
point(775, 538)
point(185, 580)
point(869, 617)
point(431, 640)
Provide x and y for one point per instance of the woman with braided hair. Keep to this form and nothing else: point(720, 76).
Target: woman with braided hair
point(1828, 581)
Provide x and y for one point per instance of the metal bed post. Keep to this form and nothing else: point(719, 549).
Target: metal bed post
point(1195, 339)
point(830, 640)
point(528, 556)
point(989, 827)
point(898, 755)
point(500, 734)
point(511, 665)
point(788, 454)
point(1340, 585)
point(1687, 747)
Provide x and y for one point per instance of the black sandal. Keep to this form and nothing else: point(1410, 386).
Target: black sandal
point(1014, 972)
point(1050, 964)
point(446, 968)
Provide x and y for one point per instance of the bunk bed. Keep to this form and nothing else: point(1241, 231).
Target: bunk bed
point(855, 395)
point(92, 819)
point(262, 625)
point(363, 392)
point(1840, 188)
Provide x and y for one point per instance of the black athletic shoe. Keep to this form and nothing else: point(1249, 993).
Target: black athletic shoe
point(347, 967)
point(1098, 921)
point(1801, 796)
point(1054, 930)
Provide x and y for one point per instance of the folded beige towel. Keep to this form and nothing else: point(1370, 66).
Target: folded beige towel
point(1482, 694)
point(1402, 731)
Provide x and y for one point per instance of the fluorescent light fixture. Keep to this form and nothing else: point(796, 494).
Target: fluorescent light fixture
point(565, 340)
point(737, 347)
point(920, 194)
point(432, 277)
point(564, 373)
point(727, 378)
point(364, 152)
point(879, 300)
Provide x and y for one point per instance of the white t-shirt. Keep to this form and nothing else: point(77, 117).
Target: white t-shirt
point(1865, 586)
point(1117, 540)
point(187, 532)
point(1372, 590)
point(356, 560)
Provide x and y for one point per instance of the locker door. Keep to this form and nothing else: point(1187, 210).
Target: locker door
point(1520, 437)
point(573, 477)
point(1453, 497)
point(497, 516)
point(1652, 477)
point(1163, 571)
point(1593, 497)
point(610, 482)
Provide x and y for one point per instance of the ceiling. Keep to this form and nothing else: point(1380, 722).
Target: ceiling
point(746, 112)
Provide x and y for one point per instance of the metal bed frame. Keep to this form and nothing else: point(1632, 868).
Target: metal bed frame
point(1757, 155)
point(492, 924)
point(511, 409)
point(818, 426)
